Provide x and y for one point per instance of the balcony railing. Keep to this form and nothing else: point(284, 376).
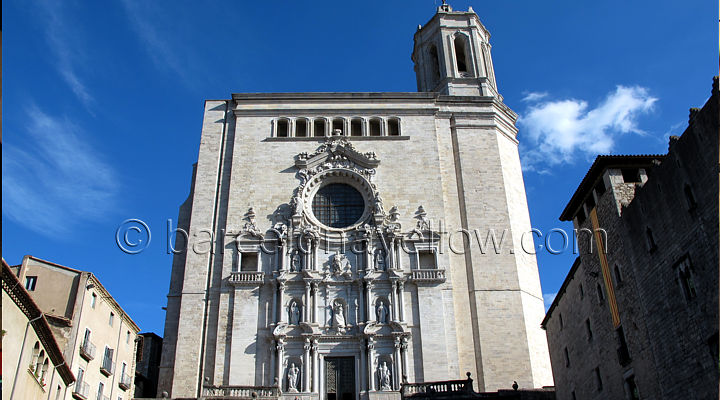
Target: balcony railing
point(243, 278)
point(87, 350)
point(81, 390)
point(240, 392)
point(107, 367)
point(428, 275)
point(125, 382)
point(102, 397)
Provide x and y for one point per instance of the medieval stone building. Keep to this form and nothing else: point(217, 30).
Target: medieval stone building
point(335, 273)
point(637, 316)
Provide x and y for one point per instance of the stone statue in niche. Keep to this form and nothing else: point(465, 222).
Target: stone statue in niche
point(338, 316)
point(340, 266)
point(295, 261)
point(383, 373)
point(294, 312)
point(379, 260)
point(381, 312)
point(293, 375)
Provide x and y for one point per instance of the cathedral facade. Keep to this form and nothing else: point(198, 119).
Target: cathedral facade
point(351, 237)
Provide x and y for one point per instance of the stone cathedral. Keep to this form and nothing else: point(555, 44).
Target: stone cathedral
point(348, 233)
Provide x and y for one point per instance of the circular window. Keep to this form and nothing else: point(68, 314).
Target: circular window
point(338, 205)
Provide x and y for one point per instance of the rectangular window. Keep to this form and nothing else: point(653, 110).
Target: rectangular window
point(127, 337)
point(426, 259)
point(101, 388)
point(122, 370)
point(588, 329)
point(567, 358)
point(582, 292)
point(86, 338)
point(562, 324)
point(600, 295)
point(618, 274)
point(632, 389)
point(81, 374)
point(249, 262)
point(93, 300)
point(112, 318)
point(30, 282)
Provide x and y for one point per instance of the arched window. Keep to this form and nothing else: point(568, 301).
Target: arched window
point(35, 355)
point(460, 54)
point(375, 129)
point(301, 127)
point(393, 127)
point(44, 371)
point(338, 205)
point(434, 63)
point(319, 127)
point(338, 124)
point(283, 128)
point(39, 362)
point(356, 127)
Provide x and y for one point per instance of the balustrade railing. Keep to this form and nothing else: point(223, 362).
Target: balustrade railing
point(81, 390)
point(125, 381)
point(246, 278)
point(241, 392)
point(107, 367)
point(428, 275)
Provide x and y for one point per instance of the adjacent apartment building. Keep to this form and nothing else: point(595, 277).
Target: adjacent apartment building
point(96, 335)
point(637, 316)
point(33, 361)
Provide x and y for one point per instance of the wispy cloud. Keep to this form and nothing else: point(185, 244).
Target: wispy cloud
point(56, 181)
point(146, 20)
point(64, 48)
point(548, 298)
point(556, 131)
point(534, 96)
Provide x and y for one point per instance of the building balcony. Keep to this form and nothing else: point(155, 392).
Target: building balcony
point(108, 366)
point(81, 391)
point(246, 278)
point(241, 392)
point(125, 382)
point(101, 397)
point(87, 350)
point(428, 275)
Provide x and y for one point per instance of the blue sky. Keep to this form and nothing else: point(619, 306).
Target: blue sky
point(103, 103)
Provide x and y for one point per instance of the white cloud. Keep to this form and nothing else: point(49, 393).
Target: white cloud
point(554, 132)
point(548, 298)
point(534, 96)
point(65, 49)
point(147, 22)
point(57, 181)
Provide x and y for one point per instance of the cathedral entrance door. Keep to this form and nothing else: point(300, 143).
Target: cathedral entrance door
point(339, 378)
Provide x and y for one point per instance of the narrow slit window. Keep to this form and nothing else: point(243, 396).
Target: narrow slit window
point(393, 127)
point(356, 127)
point(588, 330)
point(690, 198)
point(375, 129)
point(301, 128)
point(283, 128)
point(460, 56)
point(650, 239)
point(319, 127)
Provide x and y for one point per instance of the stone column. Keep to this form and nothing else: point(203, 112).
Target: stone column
point(393, 300)
point(306, 366)
point(363, 365)
point(396, 364)
point(280, 256)
point(306, 313)
point(314, 255)
point(368, 256)
point(315, 367)
point(371, 364)
point(369, 316)
point(404, 351)
point(280, 346)
point(401, 300)
point(281, 300)
point(314, 302)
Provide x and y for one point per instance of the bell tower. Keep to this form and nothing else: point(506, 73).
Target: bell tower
point(452, 55)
